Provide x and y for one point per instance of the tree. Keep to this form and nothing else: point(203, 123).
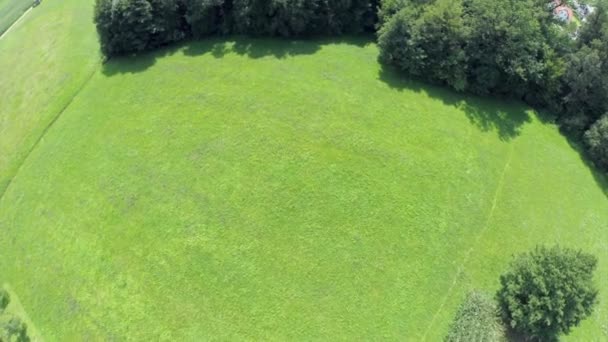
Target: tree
point(548, 291)
point(205, 17)
point(477, 319)
point(506, 49)
point(427, 41)
point(168, 22)
point(124, 26)
point(596, 141)
point(586, 92)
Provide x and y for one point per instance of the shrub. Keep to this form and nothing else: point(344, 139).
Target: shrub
point(477, 319)
point(4, 299)
point(596, 140)
point(548, 291)
point(13, 329)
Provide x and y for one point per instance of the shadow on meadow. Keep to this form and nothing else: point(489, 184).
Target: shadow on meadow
point(600, 178)
point(218, 47)
point(507, 120)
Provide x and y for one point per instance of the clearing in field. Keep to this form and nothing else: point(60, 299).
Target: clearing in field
point(272, 190)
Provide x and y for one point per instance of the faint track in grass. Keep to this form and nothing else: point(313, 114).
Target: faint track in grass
point(467, 256)
point(46, 129)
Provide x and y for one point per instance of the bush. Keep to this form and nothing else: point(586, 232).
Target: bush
point(4, 299)
point(547, 292)
point(12, 329)
point(596, 141)
point(477, 319)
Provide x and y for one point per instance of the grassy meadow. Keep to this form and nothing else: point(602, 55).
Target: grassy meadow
point(44, 61)
point(251, 189)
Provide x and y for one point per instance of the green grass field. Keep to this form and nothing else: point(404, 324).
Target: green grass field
point(268, 190)
point(44, 61)
point(10, 11)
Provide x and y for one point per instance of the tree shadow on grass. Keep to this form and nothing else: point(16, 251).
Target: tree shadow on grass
point(252, 48)
point(268, 47)
point(136, 63)
point(218, 47)
point(506, 120)
point(600, 177)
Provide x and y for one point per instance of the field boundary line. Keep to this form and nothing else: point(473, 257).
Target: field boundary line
point(46, 129)
point(467, 256)
point(16, 22)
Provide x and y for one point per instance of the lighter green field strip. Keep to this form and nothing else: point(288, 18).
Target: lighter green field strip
point(44, 61)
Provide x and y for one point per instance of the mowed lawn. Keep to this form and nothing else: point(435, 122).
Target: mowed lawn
point(10, 11)
point(44, 61)
point(277, 190)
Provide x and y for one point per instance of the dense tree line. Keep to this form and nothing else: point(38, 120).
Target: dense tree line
point(127, 26)
point(514, 48)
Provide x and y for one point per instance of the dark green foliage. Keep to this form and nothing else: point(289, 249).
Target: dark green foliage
point(477, 320)
point(290, 18)
point(12, 329)
point(4, 299)
point(596, 141)
point(205, 17)
point(168, 24)
point(547, 292)
point(505, 49)
point(427, 42)
point(126, 26)
point(483, 46)
point(585, 87)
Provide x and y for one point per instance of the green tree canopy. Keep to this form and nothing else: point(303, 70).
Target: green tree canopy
point(548, 291)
